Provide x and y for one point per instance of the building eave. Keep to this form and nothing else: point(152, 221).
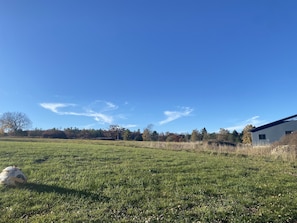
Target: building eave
point(273, 123)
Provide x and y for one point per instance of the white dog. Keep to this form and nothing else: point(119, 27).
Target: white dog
point(11, 176)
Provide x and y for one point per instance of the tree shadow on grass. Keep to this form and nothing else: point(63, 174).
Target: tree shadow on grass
point(43, 188)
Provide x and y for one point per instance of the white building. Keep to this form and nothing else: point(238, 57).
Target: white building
point(273, 131)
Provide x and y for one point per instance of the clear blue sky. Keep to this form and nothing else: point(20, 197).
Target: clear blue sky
point(175, 65)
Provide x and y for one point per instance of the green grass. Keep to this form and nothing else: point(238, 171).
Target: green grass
point(94, 181)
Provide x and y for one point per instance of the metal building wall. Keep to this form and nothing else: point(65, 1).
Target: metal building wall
point(273, 133)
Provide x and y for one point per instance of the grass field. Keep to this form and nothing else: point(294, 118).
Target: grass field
point(95, 181)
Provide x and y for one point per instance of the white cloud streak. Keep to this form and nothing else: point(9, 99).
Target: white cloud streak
point(97, 116)
point(54, 107)
point(254, 121)
point(173, 115)
point(111, 106)
point(129, 126)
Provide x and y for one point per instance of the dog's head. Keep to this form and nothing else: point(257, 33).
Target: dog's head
point(11, 176)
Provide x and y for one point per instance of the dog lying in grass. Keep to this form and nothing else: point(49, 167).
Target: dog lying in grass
point(11, 176)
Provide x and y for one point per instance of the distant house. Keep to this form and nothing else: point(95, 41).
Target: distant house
point(273, 131)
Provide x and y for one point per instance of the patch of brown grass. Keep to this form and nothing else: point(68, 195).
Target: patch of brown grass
point(273, 151)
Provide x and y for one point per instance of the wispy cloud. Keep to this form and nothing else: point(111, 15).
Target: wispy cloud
point(173, 115)
point(254, 121)
point(102, 106)
point(111, 105)
point(127, 126)
point(54, 107)
point(67, 109)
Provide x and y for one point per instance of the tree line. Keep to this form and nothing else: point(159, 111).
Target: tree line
point(13, 124)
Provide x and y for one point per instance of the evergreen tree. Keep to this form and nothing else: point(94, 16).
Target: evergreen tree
point(204, 134)
point(235, 137)
point(138, 136)
point(127, 134)
point(154, 136)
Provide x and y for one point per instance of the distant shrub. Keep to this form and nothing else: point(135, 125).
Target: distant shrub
point(35, 133)
point(286, 147)
point(57, 134)
point(220, 143)
point(289, 139)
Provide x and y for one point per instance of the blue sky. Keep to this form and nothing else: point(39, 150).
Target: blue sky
point(174, 65)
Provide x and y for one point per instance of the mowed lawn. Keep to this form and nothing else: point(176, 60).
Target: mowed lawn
point(92, 181)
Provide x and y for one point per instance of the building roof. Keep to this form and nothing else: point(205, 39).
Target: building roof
point(274, 123)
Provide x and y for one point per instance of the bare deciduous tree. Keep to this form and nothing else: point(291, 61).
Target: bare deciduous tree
point(13, 122)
